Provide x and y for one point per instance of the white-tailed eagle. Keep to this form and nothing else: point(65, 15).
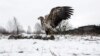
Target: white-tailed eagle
point(53, 19)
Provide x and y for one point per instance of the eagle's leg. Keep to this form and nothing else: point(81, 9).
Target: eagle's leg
point(49, 34)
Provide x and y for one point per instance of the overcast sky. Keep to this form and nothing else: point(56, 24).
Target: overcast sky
point(86, 12)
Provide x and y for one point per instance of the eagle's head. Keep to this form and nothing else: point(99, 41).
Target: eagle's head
point(40, 18)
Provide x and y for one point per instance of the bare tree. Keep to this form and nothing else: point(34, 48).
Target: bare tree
point(3, 30)
point(29, 31)
point(38, 28)
point(15, 27)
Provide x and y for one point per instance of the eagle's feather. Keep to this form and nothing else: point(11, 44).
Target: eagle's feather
point(58, 14)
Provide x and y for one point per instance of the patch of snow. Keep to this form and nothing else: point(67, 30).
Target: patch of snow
point(69, 46)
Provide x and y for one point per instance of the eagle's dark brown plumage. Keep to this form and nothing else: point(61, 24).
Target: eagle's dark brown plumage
point(53, 19)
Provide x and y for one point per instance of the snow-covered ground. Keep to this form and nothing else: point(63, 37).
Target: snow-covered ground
point(71, 46)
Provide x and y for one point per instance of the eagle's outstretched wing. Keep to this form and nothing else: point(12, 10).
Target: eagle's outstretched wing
point(58, 14)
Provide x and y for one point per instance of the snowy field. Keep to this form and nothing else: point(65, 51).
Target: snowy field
point(63, 46)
